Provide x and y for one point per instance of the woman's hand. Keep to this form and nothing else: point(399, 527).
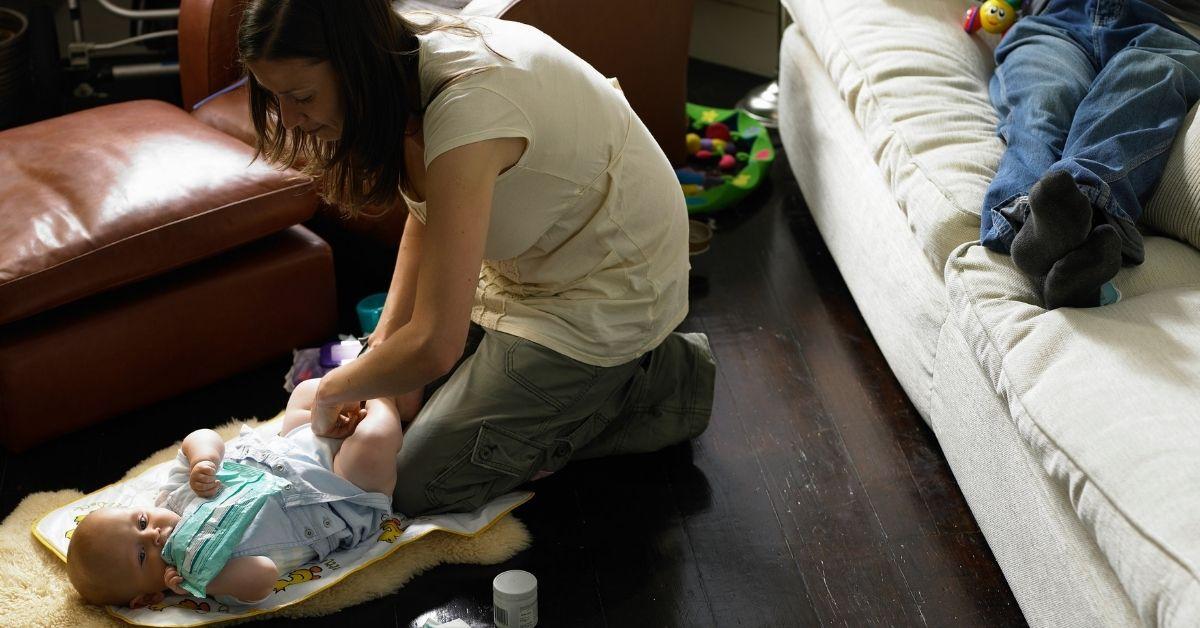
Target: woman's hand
point(203, 478)
point(174, 581)
point(338, 421)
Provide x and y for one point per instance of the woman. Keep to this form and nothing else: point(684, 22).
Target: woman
point(541, 210)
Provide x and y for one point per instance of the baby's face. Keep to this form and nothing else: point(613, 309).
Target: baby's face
point(134, 549)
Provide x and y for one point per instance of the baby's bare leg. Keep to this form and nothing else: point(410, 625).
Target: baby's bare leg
point(299, 406)
point(367, 457)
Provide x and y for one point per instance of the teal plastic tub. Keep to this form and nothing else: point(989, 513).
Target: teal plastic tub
point(369, 310)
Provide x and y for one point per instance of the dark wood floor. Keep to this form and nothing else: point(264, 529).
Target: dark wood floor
point(816, 497)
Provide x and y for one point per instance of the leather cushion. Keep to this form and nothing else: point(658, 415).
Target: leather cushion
point(133, 346)
point(108, 196)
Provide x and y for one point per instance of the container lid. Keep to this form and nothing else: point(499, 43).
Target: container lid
point(514, 584)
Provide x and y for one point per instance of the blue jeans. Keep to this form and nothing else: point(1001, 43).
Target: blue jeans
point(1097, 88)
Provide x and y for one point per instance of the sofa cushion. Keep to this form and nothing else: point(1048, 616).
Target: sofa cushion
point(917, 85)
point(1175, 207)
point(108, 196)
point(1106, 398)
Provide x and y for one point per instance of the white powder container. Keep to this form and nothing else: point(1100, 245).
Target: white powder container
point(514, 599)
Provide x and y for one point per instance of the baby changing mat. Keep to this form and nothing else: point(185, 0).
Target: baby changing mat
point(54, 531)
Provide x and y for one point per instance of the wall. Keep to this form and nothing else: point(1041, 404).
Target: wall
point(742, 34)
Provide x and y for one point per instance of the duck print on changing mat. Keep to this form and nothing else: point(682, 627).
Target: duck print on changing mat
point(298, 576)
point(190, 604)
point(390, 530)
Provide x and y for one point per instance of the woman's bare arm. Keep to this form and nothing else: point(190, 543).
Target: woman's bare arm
point(397, 310)
point(459, 186)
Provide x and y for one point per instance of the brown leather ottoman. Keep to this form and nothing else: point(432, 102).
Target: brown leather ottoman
point(143, 255)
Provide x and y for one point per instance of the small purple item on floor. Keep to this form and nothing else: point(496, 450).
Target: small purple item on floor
point(335, 354)
point(306, 365)
point(317, 361)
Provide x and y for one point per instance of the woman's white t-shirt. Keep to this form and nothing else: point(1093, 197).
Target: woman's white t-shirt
point(587, 249)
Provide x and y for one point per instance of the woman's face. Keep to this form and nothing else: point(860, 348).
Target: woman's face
point(308, 93)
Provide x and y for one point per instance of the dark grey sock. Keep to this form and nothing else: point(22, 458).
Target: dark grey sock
point(1060, 218)
point(1075, 280)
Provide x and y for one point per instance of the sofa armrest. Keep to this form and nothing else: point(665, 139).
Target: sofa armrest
point(643, 44)
point(207, 47)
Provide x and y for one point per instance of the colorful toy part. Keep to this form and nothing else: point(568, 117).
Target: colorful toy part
point(296, 577)
point(739, 160)
point(687, 176)
point(993, 16)
point(718, 130)
point(693, 143)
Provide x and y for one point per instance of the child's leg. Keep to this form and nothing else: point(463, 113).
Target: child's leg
point(1122, 133)
point(1116, 151)
point(1042, 75)
point(367, 457)
point(299, 406)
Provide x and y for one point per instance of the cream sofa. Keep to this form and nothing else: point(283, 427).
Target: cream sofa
point(1074, 433)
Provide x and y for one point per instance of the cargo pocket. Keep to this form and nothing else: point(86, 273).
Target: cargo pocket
point(506, 451)
point(496, 462)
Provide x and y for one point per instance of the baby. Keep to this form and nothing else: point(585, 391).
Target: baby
point(232, 518)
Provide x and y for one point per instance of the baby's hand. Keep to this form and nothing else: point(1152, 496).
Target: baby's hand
point(174, 581)
point(203, 478)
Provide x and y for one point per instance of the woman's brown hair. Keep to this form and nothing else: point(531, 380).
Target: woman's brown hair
point(373, 50)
